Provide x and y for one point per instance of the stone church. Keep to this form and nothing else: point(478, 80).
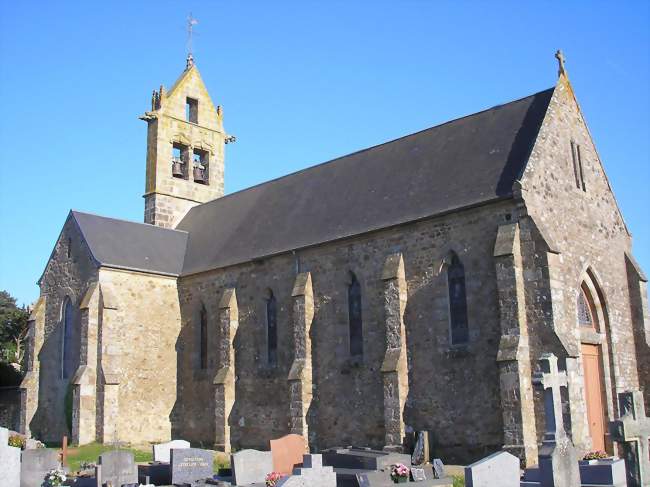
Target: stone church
point(408, 286)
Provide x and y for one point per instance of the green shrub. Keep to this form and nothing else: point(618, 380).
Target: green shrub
point(459, 481)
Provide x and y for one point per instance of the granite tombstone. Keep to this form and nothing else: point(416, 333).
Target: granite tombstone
point(501, 469)
point(117, 467)
point(9, 460)
point(35, 464)
point(189, 465)
point(161, 450)
point(287, 453)
point(250, 466)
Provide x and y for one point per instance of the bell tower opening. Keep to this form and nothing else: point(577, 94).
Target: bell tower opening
point(185, 150)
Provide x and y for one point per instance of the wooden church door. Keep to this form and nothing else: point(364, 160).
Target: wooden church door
point(591, 357)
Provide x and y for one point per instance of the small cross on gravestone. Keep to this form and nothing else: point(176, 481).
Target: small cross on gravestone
point(64, 451)
point(558, 461)
point(632, 432)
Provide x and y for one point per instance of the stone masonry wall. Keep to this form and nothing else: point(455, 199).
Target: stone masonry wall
point(446, 383)
point(141, 341)
point(574, 233)
point(66, 275)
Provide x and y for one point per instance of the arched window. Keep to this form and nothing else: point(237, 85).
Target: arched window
point(203, 337)
point(586, 315)
point(457, 302)
point(354, 316)
point(272, 329)
point(68, 364)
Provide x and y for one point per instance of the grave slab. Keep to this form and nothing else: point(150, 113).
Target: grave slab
point(501, 469)
point(161, 450)
point(311, 474)
point(250, 466)
point(189, 465)
point(117, 467)
point(35, 464)
point(287, 453)
point(603, 472)
point(10, 467)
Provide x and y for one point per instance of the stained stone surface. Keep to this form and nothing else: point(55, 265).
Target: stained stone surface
point(500, 469)
point(250, 466)
point(161, 450)
point(35, 464)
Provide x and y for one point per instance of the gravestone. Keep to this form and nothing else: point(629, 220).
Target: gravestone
point(35, 464)
point(632, 432)
point(287, 453)
point(189, 465)
point(558, 461)
point(311, 474)
point(417, 474)
point(117, 467)
point(501, 469)
point(438, 469)
point(362, 480)
point(9, 461)
point(250, 466)
point(161, 451)
point(421, 450)
point(609, 472)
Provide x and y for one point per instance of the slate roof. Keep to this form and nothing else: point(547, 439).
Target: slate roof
point(462, 163)
point(130, 245)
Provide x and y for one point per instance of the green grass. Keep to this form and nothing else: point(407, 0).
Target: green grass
point(459, 481)
point(91, 452)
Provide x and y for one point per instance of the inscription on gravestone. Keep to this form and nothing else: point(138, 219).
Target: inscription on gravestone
point(417, 474)
point(190, 464)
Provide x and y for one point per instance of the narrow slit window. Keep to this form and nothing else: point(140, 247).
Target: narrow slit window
point(272, 329)
point(458, 324)
point(192, 110)
point(355, 317)
point(68, 359)
point(203, 339)
point(69, 250)
point(580, 171)
point(574, 158)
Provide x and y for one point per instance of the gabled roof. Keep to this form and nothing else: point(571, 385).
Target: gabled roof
point(462, 163)
point(129, 245)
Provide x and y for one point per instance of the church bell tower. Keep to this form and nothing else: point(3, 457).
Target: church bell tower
point(185, 149)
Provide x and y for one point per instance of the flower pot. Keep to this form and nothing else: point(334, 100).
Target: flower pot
point(400, 480)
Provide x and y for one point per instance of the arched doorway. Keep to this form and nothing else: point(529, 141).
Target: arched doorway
point(592, 361)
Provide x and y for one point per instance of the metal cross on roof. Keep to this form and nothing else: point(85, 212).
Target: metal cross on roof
point(551, 379)
point(559, 55)
point(191, 22)
point(632, 432)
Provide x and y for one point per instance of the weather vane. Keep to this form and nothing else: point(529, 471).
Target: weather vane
point(191, 22)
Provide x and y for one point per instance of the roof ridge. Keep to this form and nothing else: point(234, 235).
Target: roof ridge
point(330, 161)
point(149, 225)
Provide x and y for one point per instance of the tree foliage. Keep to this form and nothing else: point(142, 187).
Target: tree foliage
point(13, 325)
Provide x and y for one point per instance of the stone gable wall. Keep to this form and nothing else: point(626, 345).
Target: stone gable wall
point(586, 231)
point(63, 276)
point(142, 340)
point(446, 384)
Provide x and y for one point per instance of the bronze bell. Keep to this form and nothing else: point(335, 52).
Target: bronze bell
point(199, 175)
point(177, 169)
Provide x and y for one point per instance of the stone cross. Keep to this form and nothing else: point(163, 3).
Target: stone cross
point(191, 22)
point(551, 379)
point(632, 431)
point(559, 55)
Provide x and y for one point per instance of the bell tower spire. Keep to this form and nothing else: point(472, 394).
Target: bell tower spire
point(185, 147)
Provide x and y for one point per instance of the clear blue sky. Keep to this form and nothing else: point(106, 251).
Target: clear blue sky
point(301, 82)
